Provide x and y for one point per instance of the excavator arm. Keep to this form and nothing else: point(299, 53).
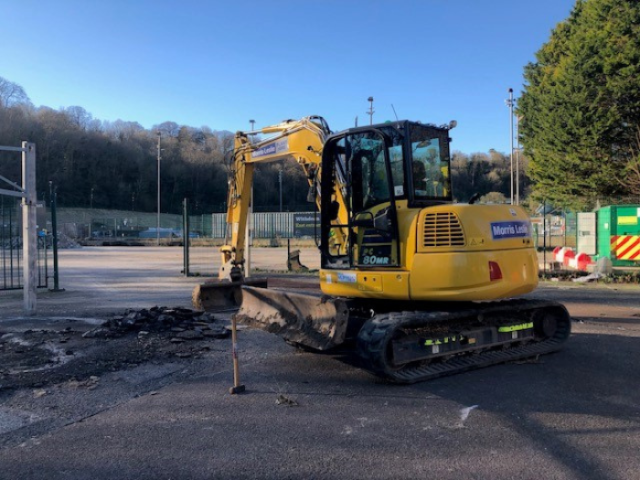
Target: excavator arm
point(299, 140)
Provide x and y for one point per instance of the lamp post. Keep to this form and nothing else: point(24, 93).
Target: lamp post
point(158, 220)
point(518, 150)
point(510, 102)
point(371, 110)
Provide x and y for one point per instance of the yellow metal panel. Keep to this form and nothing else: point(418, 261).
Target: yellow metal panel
point(462, 227)
point(465, 276)
point(629, 220)
point(390, 285)
point(407, 222)
point(368, 282)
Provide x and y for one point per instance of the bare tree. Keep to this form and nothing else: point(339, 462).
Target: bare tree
point(170, 129)
point(79, 116)
point(122, 130)
point(12, 94)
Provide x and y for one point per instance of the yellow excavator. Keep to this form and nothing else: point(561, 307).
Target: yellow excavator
point(418, 285)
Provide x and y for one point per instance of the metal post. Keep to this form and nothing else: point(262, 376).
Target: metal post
point(185, 236)
point(158, 220)
point(46, 262)
point(280, 181)
point(517, 160)
point(510, 105)
point(53, 196)
point(544, 233)
point(29, 233)
point(247, 238)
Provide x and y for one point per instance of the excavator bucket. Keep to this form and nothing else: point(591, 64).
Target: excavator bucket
point(219, 295)
point(310, 320)
point(293, 262)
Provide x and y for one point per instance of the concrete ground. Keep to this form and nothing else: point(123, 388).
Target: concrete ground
point(102, 280)
point(570, 415)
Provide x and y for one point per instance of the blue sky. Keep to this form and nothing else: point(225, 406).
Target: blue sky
point(221, 64)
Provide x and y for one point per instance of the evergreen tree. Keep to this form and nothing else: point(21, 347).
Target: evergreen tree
point(581, 105)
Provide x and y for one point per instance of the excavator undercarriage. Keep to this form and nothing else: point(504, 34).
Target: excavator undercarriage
point(408, 342)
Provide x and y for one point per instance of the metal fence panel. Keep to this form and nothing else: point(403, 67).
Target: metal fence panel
point(264, 225)
point(79, 223)
point(10, 244)
point(11, 256)
point(218, 225)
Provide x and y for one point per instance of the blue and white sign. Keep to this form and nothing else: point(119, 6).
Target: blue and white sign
point(271, 149)
point(514, 229)
point(344, 277)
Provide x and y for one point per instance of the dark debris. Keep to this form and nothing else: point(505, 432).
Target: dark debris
point(184, 323)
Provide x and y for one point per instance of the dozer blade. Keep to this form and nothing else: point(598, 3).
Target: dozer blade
point(218, 295)
point(310, 320)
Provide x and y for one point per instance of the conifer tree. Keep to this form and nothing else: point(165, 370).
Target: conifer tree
point(580, 108)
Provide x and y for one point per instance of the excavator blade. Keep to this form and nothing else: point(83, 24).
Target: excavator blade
point(219, 295)
point(310, 320)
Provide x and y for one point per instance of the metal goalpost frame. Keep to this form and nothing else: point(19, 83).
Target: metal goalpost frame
point(29, 230)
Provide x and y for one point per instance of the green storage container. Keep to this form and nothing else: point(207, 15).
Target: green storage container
point(619, 234)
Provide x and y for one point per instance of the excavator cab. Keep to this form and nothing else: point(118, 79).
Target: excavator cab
point(368, 174)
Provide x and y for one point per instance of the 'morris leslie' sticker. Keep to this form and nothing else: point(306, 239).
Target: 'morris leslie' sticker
point(514, 229)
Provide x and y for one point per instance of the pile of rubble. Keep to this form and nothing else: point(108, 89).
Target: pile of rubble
point(182, 323)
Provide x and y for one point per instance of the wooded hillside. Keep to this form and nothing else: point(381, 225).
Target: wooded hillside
point(99, 164)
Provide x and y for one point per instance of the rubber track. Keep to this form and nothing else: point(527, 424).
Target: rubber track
point(376, 333)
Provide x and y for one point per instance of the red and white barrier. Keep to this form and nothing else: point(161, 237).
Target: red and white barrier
point(582, 262)
point(569, 258)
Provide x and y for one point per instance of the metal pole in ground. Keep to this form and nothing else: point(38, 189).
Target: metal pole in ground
point(185, 236)
point(158, 201)
point(280, 181)
point(237, 386)
point(54, 227)
point(29, 233)
point(544, 233)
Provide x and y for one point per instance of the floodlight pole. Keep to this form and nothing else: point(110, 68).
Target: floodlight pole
point(517, 160)
point(371, 110)
point(158, 219)
point(510, 105)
